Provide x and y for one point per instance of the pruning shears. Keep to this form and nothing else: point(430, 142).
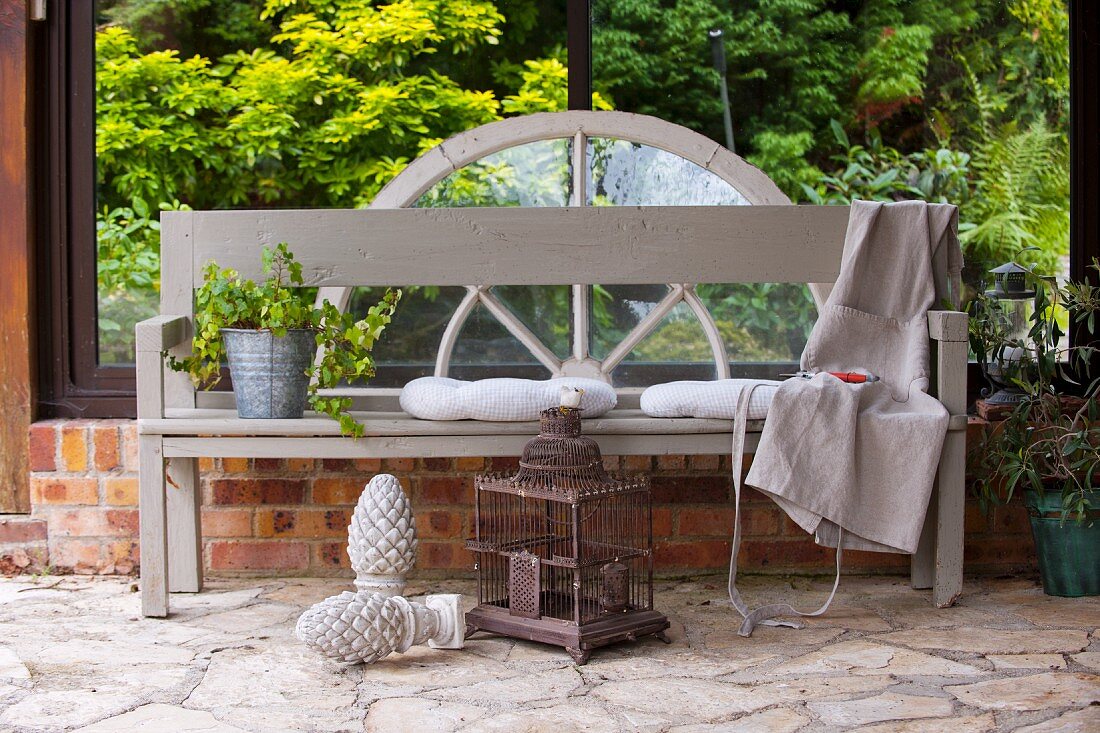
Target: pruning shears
point(849, 377)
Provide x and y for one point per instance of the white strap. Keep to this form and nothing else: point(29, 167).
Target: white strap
point(764, 615)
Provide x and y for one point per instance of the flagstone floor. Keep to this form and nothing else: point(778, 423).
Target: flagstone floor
point(76, 655)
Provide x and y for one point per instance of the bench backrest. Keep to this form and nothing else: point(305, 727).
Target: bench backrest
point(768, 241)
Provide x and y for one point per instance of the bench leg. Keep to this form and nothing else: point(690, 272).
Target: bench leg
point(922, 564)
point(950, 510)
point(184, 526)
point(154, 521)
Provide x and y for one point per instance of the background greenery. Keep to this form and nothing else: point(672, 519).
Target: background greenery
point(313, 103)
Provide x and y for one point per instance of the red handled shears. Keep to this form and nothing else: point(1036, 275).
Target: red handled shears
point(849, 377)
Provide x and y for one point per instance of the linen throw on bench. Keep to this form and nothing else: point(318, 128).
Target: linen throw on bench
point(854, 464)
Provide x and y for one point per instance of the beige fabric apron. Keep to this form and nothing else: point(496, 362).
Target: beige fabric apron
point(855, 464)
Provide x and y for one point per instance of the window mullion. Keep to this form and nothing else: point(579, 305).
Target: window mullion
point(581, 293)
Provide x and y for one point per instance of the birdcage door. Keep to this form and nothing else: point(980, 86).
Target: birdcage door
point(524, 585)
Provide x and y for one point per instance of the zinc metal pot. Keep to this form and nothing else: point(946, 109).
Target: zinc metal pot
point(269, 372)
point(1069, 553)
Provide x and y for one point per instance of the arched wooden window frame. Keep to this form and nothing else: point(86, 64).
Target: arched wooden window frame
point(474, 145)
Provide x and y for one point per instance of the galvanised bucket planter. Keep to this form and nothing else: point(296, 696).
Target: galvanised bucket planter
point(1069, 553)
point(269, 372)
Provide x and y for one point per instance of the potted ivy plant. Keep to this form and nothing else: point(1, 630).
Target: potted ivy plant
point(1048, 446)
point(269, 333)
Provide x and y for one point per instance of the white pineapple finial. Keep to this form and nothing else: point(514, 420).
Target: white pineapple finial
point(571, 396)
point(382, 537)
point(365, 627)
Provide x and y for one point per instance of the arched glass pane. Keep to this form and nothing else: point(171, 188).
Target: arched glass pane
point(616, 310)
point(484, 342)
point(407, 348)
point(761, 322)
point(534, 174)
point(677, 346)
point(545, 309)
point(624, 173)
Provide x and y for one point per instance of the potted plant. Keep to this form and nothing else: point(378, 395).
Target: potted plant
point(1048, 445)
point(269, 332)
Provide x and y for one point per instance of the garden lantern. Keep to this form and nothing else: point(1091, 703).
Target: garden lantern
point(564, 549)
point(1010, 288)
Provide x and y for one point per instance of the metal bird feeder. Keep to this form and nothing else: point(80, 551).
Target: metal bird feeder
point(565, 550)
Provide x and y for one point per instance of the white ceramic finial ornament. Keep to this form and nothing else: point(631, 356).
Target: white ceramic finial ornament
point(571, 396)
point(382, 537)
point(365, 627)
point(375, 620)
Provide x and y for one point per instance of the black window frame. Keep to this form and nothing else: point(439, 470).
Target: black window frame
point(71, 381)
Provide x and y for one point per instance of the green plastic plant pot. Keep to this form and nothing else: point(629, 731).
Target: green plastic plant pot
point(1069, 553)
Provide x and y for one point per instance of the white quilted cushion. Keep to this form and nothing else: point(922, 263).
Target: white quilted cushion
point(501, 400)
point(717, 399)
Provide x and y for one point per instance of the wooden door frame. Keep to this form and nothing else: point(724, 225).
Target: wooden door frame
point(17, 345)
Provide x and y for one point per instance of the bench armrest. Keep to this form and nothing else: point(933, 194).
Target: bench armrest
point(948, 325)
point(153, 337)
point(161, 333)
point(948, 330)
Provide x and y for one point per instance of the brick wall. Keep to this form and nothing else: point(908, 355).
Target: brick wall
point(290, 516)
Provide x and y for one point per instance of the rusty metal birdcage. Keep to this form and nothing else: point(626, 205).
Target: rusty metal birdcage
point(564, 549)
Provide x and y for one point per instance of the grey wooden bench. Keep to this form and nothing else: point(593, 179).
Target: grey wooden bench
point(767, 241)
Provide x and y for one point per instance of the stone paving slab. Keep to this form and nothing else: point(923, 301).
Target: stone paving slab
point(76, 655)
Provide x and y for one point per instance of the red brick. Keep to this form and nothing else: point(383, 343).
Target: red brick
point(206, 464)
point(337, 490)
point(280, 555)
point(398, 465)
point(105, 442)
point(975, 520)
point(692, 554)
point(121, 490)
point(1005, 550)
point(76, 555)
point(445, 489)
point(122, 522)
point(1011, 519)
point(506, 464)
point(258, 491)
point(299, 465)
point(94, 522)
point(690, 489)
point(874, 561)
point(706, 463)
point(368, 465)
point(441, 523)
point(781, 554)
point(336, 465)
point(235, 465)
point(438, 464)
point(269, 465)
point(226, 522)
point(718, 521)
point(330, 555)
point(470, 463)
point(15, 530)
point(671, 463)
point(64, 490)
point(637, 464)
point(74, 446)
point(443, 556)
point(662, 522)
point(124, 557)
point(611, 463)
point(129, 446)
point(303, 523)
point(43, 447)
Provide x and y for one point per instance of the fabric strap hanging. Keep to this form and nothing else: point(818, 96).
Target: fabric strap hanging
point(764, 615)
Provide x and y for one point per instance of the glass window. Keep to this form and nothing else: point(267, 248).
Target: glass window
point(298, 103)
